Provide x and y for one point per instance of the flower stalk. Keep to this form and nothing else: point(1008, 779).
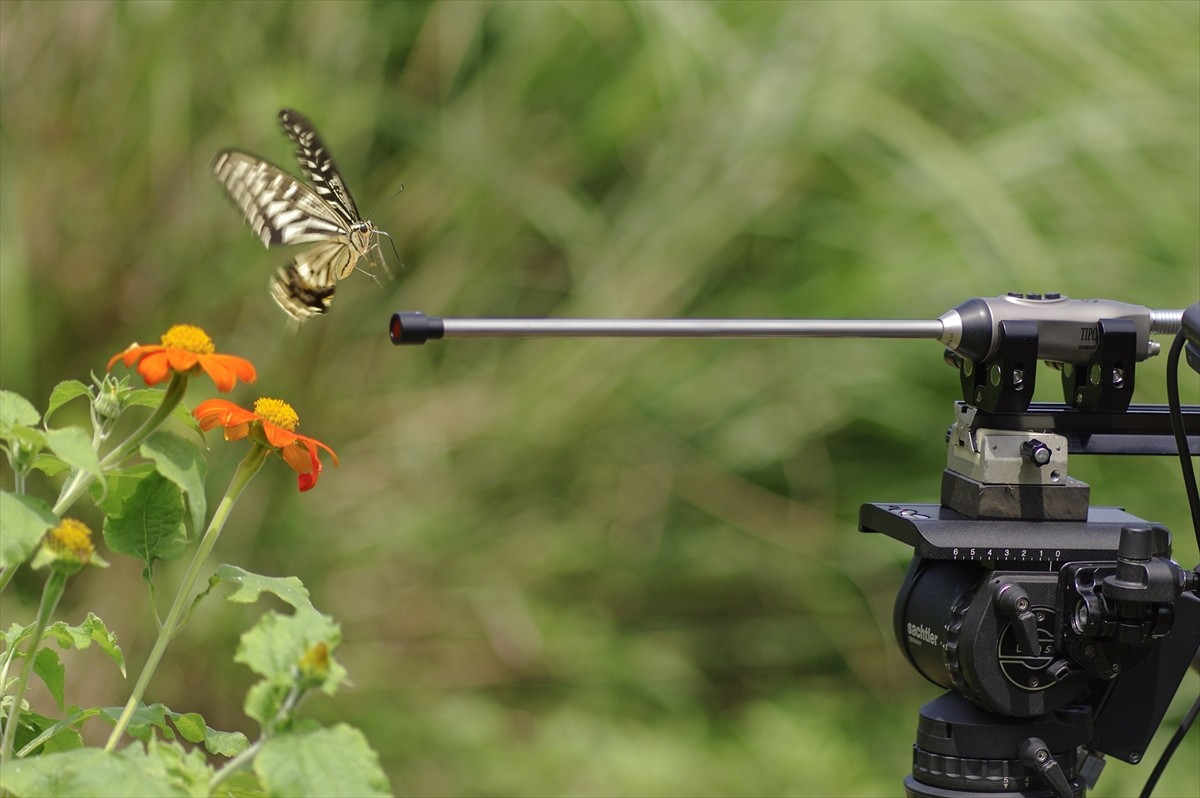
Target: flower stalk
point(56, 584)
point(249, 466)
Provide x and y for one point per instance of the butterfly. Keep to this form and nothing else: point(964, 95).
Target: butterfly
point(282, 210)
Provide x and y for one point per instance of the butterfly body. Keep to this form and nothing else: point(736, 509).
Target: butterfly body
point(282, 210)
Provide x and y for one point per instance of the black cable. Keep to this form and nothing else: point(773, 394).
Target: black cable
point(1175, 407)
point(1176, 739)
point(1189, 483)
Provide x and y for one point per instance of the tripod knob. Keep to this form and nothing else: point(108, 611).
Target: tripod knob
point(1036, 452)
point(1035, 754)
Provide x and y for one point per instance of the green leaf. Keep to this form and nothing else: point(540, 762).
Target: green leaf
point(91, 773)
point(64, 392)
point(119, 487)
point(186, 767)
point(183, 463)
point(55, 735)
point(16, 411)
point(74, 446)
point(50, 670)
point(224, 743)
point(24, 520)
point(50, 465)
point(249, 586)
point(150, 525)
point(143, 722)
point(190, 726)
point(276, 644)
point(332, 762)
point(264, 699)
point(92, 630)
point(153, 397)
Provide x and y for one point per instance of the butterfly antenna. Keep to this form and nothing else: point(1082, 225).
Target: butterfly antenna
point(385, 202)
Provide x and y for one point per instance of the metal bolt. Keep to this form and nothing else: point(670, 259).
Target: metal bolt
point(1118, 377)
point(1018, 379)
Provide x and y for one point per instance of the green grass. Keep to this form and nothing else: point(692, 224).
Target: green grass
point(601, 567)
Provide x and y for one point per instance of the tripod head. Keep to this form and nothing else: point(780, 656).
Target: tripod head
point(1060, 630)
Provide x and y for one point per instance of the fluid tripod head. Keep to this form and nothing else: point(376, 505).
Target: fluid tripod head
point(1060, 630)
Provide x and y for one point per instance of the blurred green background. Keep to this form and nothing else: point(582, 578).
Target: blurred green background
point(597, 567)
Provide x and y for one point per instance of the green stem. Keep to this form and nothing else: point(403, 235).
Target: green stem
point(247, 469)
point(245, 757)
point(55, 585)
point(82, 479)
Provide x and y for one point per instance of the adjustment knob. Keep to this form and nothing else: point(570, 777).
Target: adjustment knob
point(1036, 452)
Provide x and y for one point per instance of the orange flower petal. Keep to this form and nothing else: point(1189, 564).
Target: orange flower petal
point(240, 366)
point(222, 376)
point(237, 432)
point(154, 367)
point(278, 436)
point(298, 457)
point(181, 359)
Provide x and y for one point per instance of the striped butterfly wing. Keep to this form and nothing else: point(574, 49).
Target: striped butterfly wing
point(281, 210)
point(317, 164)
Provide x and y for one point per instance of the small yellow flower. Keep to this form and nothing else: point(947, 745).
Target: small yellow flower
point(186, 349)
point(314, 665)
point(68, 547)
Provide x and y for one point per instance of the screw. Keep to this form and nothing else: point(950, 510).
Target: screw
point(1118, 377)
point(1018, 379)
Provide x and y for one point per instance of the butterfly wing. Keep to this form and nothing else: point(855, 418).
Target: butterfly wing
point(278, 207)
point(304, 287)
point(317, 164)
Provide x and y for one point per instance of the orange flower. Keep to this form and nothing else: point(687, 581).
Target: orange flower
point(186, 350)
point(271, 424)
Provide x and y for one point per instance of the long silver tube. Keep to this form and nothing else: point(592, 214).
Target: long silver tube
point(690, 328)
point(1067, 329)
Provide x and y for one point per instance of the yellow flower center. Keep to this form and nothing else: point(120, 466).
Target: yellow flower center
point(72, 538)
point(278, 412)
point(188, 338)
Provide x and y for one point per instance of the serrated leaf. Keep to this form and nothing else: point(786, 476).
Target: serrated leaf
point(249, 586)
point(24, 520)
point(91, 773)
point(152, 397)
point(187, 767)
point(16, 411)
point(50, 670)
point(337, 762)
point(74, 446)
point(276, 644)
point(263, 701)
point(224, 743)
point(56, 735)
point(49, 465)
point(150, 526)
point(64, 392)
point(183, 463)
point(92, 630)
point(190, 726)
point(118, 487)
point(143, 722)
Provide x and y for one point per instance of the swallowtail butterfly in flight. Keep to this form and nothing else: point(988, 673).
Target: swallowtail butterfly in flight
point(282, 210)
